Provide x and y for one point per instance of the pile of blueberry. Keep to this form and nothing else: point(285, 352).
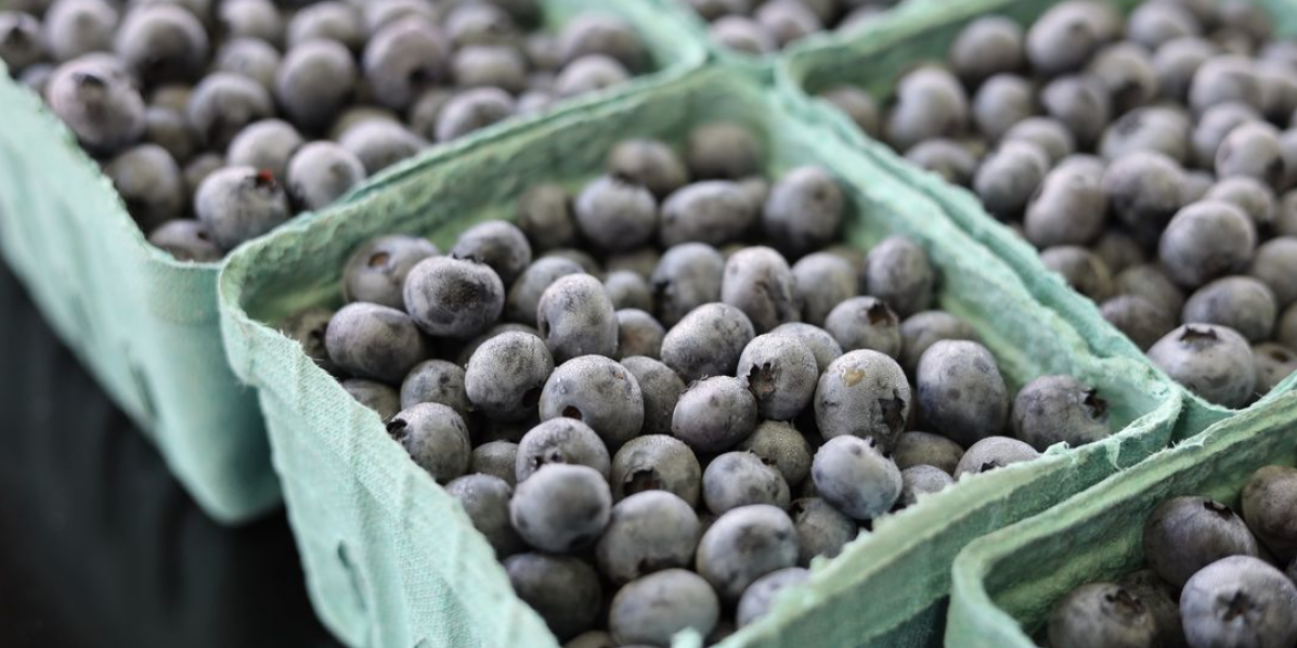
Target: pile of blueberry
point(1144, 158)
point(763, 26)
point(238, 113)
point(1211, 580)
point(631, 394)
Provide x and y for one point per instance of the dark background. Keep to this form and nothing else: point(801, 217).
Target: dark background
point(99, 545)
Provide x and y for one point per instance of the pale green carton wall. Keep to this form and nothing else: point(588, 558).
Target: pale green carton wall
point(147, 325)
point(1006, 583)
point(389, 557)
point(922, 30)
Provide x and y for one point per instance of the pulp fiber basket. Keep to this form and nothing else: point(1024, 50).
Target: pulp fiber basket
point(147, 325)
point(921, 31)
point(393, 562)
point(1006, 583)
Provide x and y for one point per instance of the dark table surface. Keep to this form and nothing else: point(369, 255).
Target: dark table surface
point(99, 545)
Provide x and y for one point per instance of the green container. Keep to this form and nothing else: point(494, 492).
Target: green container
point(391, 561)
point(146, 325)
point(921, 31)
point(1007, 582)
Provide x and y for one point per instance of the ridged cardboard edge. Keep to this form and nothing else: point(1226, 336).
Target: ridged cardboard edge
point(1112, 512)
point(289, 383)
point(814, 58)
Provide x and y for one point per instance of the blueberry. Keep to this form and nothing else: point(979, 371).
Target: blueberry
point(1152, 283)
point(1002, 101)
point(436, 438)
point(437, 381)
point(561, 508)
point(374, 395)
point(924, 449)
point(615, 214)
point(589, 74)
point(1213, 362)
point(35, 77)
point(377, 270)
point(1067, 35)
point(821, 529)
point(334, 20)
point(1224, 79)
point(1155, 24)
point(1239, 601)
point(929, 103)
point(1206, 240)
point(993, 452)
point(821, 343)
point(743, 34)
point(787, 20)
point(628, 290)
point(1059, 409)
point(486, 501)
point(1140, 319)
point(560, 441)
point(1241, 303)
point(150, 183)
point(254, 18)
point(855, 477)
point(714, 414)
point(372, 341)
point(186, 240)
point(168, 129)
point(743, 545)
point(656, 462)
point(478, 23)
point(1274, 363)
point(1156, 129)
point(472, 110)
point(863, 394)
point(1176, 61)
point(321, 172)
point(638, 334)
point(599, 392)
point(505, 375)
point(759, 282)
point(1248, 194)
point(921, 330)
point(651, 610)
point(498, 244)
point(72, 28)
point(1126, 70)
point(865, 323)
point(648, 532)
point(707, 342)
point(580, 257)
point(858, 105)
point(804, 210)
point(201, 166)
point(712, 212)
point(237, 204)
point(1048, 134)
point(1080, 269)
point(307, 327)
point(594, 33)
point(1144, 189)
point(21, 42)
point(741, 478)
point(576, 318)
point(1082, 103)
point(687, 276)
point(762, 594)
point(1161, 601)
point(639, 262)
point(452, 297)
point(403, 59)
point(723, 150)
point(649, 163)
point(162, 43)
point(497, 66)
point(1069, 209)
point(948, 158)
point(985, 47)
point(897, 272)
point(98, 102)
point(1101, 615)
point(315, 82)
point(497, 459)
point(356, 115)
point(1010, 176)
point(267, 145)
point(920, 481)
point(525, 293)
point(1252, 150)
point(1214, 125)
point(779, 445)
point(563, 590)
point(545, 216)
point(1268, 501)
point(1184, 534)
